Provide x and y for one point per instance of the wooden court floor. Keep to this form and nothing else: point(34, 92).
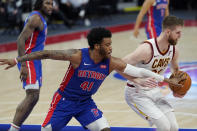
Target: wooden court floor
point(110, 96)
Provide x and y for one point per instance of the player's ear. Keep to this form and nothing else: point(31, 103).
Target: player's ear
point(96, 46)
point(167, 32)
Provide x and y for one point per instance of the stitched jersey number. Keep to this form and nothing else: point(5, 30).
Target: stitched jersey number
point(158, 72)
point(87, 85)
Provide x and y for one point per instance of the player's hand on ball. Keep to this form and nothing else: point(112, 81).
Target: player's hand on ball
point(178, 75)
point(177, 78)
point(9, 62)
point(184, 79)
point(173, 82)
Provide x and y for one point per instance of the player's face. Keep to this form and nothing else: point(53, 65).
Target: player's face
point(47, 7)
point(106, 48)
point(175, 34)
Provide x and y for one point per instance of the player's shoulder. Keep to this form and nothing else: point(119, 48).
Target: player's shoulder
point(35, 16)
point(115, 60)
point(147, 44)
point(116, 64)
point(35, 19)
point(144, 49)
point(75, 56)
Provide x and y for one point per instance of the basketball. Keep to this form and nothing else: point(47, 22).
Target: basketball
point(186, 84)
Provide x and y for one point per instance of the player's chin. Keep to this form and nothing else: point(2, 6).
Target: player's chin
point(109, 55)
point(49, 12)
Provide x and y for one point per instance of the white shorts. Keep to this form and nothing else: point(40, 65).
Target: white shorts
point(147, 103)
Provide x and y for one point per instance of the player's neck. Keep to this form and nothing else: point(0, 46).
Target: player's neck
point(42, 13)
point(95, 56)
point(162, 42)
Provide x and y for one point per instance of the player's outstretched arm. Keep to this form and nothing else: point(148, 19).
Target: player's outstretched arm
point(120, 66)
point(65, 55)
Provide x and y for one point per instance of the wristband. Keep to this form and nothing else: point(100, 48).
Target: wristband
point(15, 60)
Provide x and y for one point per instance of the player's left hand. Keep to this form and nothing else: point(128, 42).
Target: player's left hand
point(23, 72)
point(178, 75)
point(10, 62)
point(135, 33)
point(176, 79)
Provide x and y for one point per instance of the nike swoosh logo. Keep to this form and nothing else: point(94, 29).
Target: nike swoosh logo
point(156, 55)
point(86, 64)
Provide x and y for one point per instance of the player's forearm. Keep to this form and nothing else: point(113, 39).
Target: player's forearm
point(21, 47)
point(139, 19)
point(174, 66)
point(174, 70)
point(141, 72)
point(167, 12)
point(148, 73)
point(48, 54)
point(34, 56)
point(138, 22)
point(126, 76)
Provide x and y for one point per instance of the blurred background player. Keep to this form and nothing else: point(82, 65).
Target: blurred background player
point(156, 10)
point(145, 98)
point(31, 39)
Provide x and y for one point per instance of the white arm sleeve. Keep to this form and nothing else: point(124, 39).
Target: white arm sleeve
point(141, 72)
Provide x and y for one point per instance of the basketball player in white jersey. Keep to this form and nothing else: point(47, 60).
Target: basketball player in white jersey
point(143, 95)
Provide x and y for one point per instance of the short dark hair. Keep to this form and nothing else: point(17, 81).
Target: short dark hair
point(96, 35)
point(171, 22)
point(38, 4)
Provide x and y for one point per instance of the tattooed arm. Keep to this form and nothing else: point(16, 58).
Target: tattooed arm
point(49, 54)
point(72, 55)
